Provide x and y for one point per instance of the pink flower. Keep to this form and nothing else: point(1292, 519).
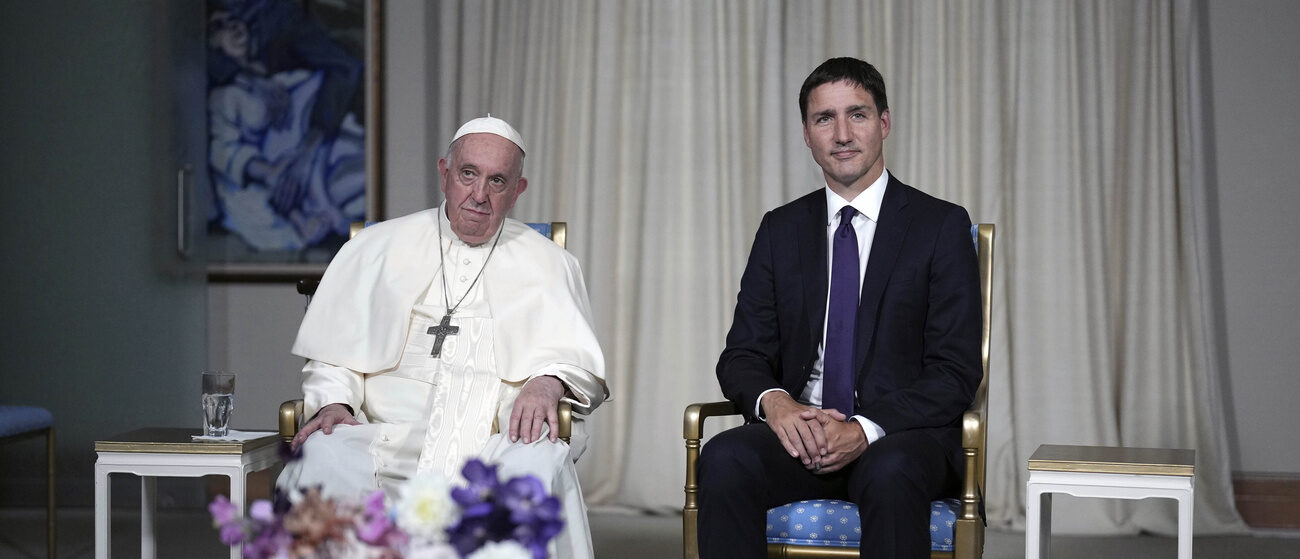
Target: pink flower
point(511, 520)
point(375, 526)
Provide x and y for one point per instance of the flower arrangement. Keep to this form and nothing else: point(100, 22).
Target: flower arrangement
point(485, 519)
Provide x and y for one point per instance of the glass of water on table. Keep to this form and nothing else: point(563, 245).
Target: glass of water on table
point(218, 402)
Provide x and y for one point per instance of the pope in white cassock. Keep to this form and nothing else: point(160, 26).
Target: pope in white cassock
point(431, 332)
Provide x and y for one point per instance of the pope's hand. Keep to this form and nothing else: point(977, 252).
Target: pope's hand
point(325, 420)
point(536, 406)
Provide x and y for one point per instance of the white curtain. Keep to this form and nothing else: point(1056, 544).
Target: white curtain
point(661, 130)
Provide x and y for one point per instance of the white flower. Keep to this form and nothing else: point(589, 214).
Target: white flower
point(507, 549)
point(426, 508)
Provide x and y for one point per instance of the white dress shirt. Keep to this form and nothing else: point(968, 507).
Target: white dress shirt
point(864, 225)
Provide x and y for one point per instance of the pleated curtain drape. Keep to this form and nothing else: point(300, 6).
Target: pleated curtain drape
point(662, 130)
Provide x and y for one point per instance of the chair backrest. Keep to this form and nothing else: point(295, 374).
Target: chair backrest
point(983, 236)
point(556, 231)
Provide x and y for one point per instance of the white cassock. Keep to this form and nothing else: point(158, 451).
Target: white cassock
point(366, 334)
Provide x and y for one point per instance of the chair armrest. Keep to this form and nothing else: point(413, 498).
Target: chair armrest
point(565, 413)
point(972, 425)
point(693, 431)
point(693, 419)
point(290, 415)
point(972, 429)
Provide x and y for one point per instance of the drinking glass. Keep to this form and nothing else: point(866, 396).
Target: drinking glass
point(218, 402)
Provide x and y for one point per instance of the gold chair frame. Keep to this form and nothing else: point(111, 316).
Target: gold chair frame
point(968, 534)
point(291, 410)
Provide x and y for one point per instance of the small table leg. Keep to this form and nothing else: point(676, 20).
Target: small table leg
point(1185, 526)
point(1045, 538)
point(148, 505)
point(103, 504)
point(237, 497)
point(1038, 524)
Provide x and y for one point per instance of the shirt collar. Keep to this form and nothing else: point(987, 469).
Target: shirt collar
point(448, 236)
point(867, 203)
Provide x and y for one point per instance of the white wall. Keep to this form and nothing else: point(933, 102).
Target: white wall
point(1252, 49)
point(1253, 46)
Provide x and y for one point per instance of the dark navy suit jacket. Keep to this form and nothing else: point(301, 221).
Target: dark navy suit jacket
point(917, 350)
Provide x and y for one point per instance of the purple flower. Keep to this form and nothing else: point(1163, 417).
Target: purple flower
point(288, 453)
point(535, 514)
point(232, 533)
point(528, 502)
point(262, 511)
point(518, 510)
point(476, 499)
point(269, 543)
point(222, 510)
point(522, 495)
point(491, 523)
point(280, 502)
point(511, 517)
point(225, 515)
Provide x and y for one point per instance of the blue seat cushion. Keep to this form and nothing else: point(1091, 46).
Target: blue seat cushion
point(832, 523)
point(16, 420)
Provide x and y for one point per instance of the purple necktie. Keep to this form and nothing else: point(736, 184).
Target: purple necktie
point(841, 318)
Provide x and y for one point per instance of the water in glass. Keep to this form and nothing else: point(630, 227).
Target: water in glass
point(216, 413)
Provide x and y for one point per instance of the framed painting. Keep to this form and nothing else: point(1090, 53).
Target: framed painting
point(294, 127)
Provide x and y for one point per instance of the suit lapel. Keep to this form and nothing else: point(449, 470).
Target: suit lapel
point(890, 231)
point(812, 262)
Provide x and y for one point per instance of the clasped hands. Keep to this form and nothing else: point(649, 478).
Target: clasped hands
point(822, 439)
point(536, 405)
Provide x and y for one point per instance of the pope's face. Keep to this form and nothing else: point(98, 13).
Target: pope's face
point(846, 135)
point(481, 181)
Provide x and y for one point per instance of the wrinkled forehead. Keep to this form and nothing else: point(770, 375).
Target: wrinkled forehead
point(489, 152)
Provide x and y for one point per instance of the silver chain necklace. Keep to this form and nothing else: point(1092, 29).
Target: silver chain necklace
point(444, 327)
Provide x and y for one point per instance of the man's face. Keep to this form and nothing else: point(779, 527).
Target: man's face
point(846, 136)
point(481, 182)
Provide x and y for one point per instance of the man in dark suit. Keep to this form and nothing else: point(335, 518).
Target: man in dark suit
point(855, 346)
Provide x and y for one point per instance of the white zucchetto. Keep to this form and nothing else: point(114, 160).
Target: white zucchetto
point(491, 125)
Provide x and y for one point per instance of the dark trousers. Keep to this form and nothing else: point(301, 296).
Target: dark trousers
point(745, 471)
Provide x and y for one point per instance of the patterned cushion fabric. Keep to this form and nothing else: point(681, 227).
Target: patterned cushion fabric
point(832, 523)
point(15, 420)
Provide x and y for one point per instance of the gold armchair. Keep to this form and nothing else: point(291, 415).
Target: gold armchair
point(291, 419)
point(968, 527)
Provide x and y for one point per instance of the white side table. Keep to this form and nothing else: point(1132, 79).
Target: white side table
point(168, 452)
point(1108, 472)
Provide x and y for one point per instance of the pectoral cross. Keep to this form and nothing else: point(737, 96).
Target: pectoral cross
point(440, 332)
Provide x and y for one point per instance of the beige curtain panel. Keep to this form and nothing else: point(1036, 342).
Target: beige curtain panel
point(662, 130)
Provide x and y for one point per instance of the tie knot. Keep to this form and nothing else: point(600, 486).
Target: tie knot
point(846, 217)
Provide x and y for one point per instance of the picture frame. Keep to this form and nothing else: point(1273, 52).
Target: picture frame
point(295, 128)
